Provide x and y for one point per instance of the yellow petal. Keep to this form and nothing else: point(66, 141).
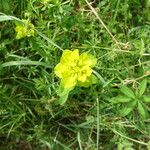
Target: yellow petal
point(69, 82)
point(89, 81)
point(24, 29)
point(75, 54)
point(87, 59)
point(60, 70)
point(21, 32)
point(70, 57)
point(84, 73)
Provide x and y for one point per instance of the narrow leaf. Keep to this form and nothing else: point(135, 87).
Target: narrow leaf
point(142, 110)
point(4, 17)
point(99, 77)
point(142, 88)
point(24, 62)
point(128, 108)
point(146, 99)
point(121, 99)
point(127, 91)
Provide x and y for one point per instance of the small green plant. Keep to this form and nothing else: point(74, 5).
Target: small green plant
point(74, 69)
point(34, 35)
point(128, 100)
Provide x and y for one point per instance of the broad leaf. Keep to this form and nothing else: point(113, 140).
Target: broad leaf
point(142, 88)
point(127, 91)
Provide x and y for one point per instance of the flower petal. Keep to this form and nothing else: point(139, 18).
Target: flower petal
point(69, 82)
point(87, 59)
point(70, 57)
point(60, 70)
point(89, 81)
point(24, 29)
point(73, 68)
point(84, 73)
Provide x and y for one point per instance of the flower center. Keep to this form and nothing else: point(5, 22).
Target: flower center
point(76, 69)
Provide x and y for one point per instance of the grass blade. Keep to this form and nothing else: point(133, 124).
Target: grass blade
point(28, 62)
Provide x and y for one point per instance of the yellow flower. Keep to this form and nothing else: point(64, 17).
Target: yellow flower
point(74, 68)
point(24, 29)
point(45, 1)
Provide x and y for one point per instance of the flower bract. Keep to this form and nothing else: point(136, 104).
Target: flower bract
point(45, 1)
point(23, 29)
point(74, 68)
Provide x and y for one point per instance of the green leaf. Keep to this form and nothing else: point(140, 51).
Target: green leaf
point(121, 99)
point(128, 108)
point(146, 99)
point(24, 62)
point(142, 88)
point(98, 76)
point(63, 98)
point(142, 111)
point(148, 145)
point(63, 94)
point(4, 17)
point(127, 91)
point(48, 39)
point(5, 6)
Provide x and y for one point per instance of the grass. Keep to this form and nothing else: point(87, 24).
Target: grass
point(117, 34)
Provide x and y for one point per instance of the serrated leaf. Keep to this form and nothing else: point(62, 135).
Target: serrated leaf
point(146, 99)
point(142, 88)
point(142, 110)
point(127, 91)
point(128, 108)
point(121, 99)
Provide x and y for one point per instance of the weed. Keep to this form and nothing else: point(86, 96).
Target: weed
point(113, 113)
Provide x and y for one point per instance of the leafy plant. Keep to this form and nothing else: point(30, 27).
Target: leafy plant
point(74, 69)
point(128, 100)
point(116, 33)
